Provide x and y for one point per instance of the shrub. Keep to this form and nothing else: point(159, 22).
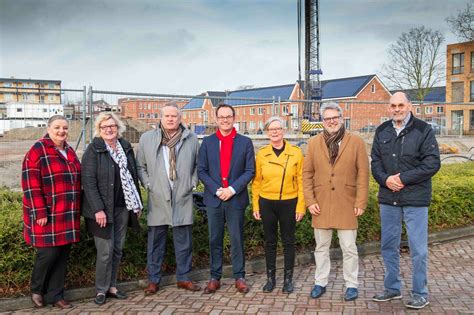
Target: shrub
point(453, 201)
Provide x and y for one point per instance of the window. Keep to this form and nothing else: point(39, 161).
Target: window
point(277, 110)
point(471, 98)
point(458, 63)
point(141, 115)
point(261, 110)
point(471, 119)
point(149, 106)
point(155, 106)
point(260, 125)
point(472, 61)
point(51, 97)
point(45, 110)
point(252, 111)
point(156, 115)
point(19, 110)
point(440, 109)
point(457, 92)
point(418, 110)
point(252, 125)
point(7, 84)
point(284, 110)
point(347, 106)
point(243, 111)
point(383, 119)
point(372, 88)
point(428, 110)
point(8, 97)
point(294, 110)
point(51, 85)
point(184, 115)
point(347, 123)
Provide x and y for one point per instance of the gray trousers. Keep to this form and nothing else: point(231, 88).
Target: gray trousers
point(109, 252)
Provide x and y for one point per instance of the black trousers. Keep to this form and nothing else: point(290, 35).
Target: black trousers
point(49, 272)
point(282, 213)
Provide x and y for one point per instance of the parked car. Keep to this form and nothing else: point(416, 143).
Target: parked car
point(368, 128)
point(438, 129)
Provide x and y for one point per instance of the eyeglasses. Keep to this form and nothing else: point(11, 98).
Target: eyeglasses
point(328, 119)
point(275, 129)
point(225, 117)
point(112, 127)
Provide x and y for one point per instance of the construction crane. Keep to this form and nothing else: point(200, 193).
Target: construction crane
point(312, 87)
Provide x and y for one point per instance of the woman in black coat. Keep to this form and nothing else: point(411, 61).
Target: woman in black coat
point(111, 199)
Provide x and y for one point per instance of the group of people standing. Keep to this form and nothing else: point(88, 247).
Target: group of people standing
point(331, 181)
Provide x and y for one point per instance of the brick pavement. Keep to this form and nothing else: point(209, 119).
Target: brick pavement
point(451, 274)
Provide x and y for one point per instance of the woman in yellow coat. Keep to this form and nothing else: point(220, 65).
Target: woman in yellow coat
point(277, 199)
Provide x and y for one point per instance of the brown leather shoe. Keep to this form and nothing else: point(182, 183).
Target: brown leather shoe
point(37, 300)
point(152, 288)
point(63, 304)
point(241, 285)
point(188, 285)
point(212, 286)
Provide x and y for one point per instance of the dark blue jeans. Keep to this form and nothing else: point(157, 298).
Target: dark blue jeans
point(217, 217)
point(156, 250)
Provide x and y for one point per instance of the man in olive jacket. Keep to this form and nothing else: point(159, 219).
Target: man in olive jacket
point(335, 187)
point(167, 167)
point(405, 156)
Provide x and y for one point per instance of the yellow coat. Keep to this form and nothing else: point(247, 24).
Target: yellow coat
point(269, 173)
point(338, 188)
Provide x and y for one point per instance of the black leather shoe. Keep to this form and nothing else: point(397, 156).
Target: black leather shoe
point(117, 295)
point(99, 299)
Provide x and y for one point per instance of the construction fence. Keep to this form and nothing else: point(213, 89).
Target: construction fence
point(20, 120)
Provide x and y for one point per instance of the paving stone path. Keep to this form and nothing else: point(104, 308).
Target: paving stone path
point(451, 276)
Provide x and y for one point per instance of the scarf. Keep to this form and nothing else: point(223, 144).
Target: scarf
point(132, 198)
point(226, 154)
point(332, 142)
point(171, 142)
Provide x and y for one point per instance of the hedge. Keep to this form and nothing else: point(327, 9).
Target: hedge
point(452, 206)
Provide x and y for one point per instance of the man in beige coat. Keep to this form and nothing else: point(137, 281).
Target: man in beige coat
point(335, 186)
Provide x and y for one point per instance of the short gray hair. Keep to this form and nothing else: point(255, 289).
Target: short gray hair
point(272, 119)
point(103, 116)
point(56, 117)
point(329, 105)
point(173, 104)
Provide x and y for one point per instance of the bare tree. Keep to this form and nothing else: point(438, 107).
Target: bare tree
point(462, 25)
point(415, 61)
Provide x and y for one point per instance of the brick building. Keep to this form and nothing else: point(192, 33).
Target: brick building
point(254, 106)
point(145, 109)
point(460, 87)
point(433, 107)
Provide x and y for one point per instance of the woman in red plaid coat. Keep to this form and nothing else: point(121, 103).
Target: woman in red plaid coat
point(51, 183)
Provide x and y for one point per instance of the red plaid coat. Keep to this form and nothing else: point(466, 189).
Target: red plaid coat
point(52, 189)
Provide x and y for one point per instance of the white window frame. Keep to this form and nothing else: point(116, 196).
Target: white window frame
point(261, 110)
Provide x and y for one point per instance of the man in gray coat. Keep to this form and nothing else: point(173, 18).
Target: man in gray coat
point(166, 163)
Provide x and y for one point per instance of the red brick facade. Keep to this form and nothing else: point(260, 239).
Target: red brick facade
point(145, 109)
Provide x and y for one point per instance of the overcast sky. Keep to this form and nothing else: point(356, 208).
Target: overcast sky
point(190, 46)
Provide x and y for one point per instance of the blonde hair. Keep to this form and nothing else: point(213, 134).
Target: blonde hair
point(103, 116)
